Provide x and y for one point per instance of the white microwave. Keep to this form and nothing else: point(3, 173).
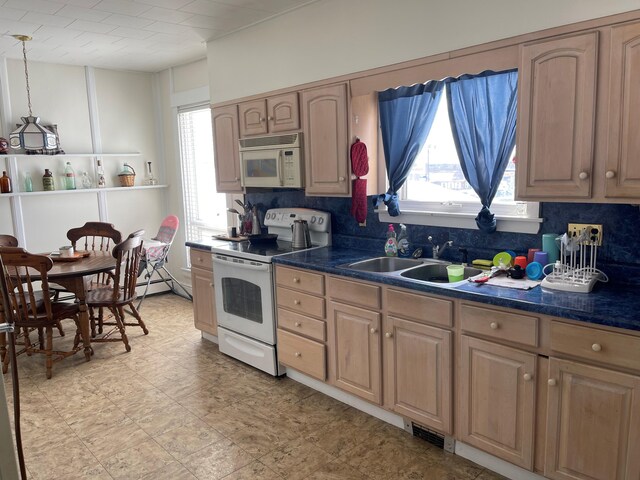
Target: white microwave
point(272, 162)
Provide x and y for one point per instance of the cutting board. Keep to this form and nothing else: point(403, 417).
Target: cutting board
point(230, 239)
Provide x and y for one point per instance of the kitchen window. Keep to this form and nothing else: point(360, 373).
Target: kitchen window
point(205, 209)
point(436, 192)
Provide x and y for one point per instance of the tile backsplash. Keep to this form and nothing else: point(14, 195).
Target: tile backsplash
point(619, 255)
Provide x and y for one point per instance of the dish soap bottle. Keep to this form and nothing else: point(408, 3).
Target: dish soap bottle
point(391, 246)
point(404, 249)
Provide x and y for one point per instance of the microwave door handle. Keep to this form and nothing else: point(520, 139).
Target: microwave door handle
point(280, 168)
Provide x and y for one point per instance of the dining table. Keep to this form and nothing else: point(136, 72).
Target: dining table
point(74, 274)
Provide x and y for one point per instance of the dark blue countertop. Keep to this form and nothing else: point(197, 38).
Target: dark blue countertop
point(608, 304)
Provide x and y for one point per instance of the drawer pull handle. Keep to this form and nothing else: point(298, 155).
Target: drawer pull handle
point(610, 174)
point(583, 175)
point(596, 347)
point(527, 377)
point(297, 324)
point(211, 285)
point(341, 179)
point(296, 280)
point(552, 382)
point(298, 354)
point(388, 334)
point(296, 302)
point(494, 325)
point(373, 330)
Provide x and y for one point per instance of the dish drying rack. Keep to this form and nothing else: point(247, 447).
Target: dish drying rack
point(576, 270)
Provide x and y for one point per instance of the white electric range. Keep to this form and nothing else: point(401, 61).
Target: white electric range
point(244, 284)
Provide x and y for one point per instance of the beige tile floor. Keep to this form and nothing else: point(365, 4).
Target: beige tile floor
point(175, 408)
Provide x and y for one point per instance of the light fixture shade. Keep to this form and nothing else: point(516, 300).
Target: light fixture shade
point(32, 136)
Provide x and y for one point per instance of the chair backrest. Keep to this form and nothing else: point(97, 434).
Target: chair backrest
point(168, 229)
point(127, 255)
point(94, 236)
point(8, 241)
point(30, 304)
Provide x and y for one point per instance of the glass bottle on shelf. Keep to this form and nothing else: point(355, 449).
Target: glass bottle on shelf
point(149, 179)
point(100, 172)
point(86, 181)
point(48, 184)
point(28, 182)
point(5, 183)
point(69, 177)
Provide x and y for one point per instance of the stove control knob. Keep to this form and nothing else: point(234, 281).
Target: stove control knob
point(313, 219)
point(320, 221)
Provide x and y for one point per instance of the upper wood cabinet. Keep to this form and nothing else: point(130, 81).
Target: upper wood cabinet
point(593, 426)
point(556, 117)
point(622, 175)
point(275, 114)
point(326, 141)
point(226, 150)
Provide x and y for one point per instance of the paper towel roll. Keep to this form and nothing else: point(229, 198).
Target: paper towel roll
point(550, 246)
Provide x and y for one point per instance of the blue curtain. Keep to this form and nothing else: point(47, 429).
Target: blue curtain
point(482, 111)
point(406, 116)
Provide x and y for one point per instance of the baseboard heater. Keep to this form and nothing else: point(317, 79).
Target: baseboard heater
point(434, 438)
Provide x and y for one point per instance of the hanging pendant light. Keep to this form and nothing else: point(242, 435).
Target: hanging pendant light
point(31, 135)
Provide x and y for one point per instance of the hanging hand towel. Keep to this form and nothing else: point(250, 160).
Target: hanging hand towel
point(359, 167)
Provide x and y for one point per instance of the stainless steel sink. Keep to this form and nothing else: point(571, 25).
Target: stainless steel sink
point(384, 264)
point(435, 273)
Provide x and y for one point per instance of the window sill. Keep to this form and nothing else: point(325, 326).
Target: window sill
point(461, 220)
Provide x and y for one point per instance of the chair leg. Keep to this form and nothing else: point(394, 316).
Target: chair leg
point(118, 314)
point(6, 359)
point(137, 316)
point(3, 346)
point(60, 330)
point(49, 351)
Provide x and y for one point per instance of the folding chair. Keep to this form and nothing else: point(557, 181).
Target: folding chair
point(155, 256)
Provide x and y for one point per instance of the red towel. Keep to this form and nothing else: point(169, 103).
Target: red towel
point(359, 167)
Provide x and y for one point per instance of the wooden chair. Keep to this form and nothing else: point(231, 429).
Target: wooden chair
point(94, 236)
point(121, 291)
point(33, 309)
point(8, 241)
point(5, 241)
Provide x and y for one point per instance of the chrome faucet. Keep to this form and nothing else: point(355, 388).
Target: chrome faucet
point(438, 250)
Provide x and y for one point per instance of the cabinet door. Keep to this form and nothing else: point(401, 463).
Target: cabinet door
point(417, 372)
point(283, 113)
point(497, 400)
point(326, 149)
point(622, 177)
point(204, 302)
point(354, 350)
point(225, 146)
point(556, 111)
point(593, 423)
point(253, 118)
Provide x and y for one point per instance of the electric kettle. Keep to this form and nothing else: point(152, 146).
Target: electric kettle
point(300, 237)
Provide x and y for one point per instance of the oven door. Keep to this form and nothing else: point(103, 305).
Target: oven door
point(244, 297)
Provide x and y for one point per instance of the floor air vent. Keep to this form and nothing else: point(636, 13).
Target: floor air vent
point(434, 438)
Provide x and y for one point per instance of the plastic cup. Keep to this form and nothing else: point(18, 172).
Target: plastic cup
point(541, 257)
point(455, 273)
point(531, 253)
point(520, 260)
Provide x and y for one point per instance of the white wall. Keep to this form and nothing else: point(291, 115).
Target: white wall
point(126, 114)
point(336, 37)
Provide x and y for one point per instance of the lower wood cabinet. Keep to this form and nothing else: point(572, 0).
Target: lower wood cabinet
point(417, 372)
point(354, 350)
point(204, 301)
point(593, 423)
point(496, 402)
point(302, 354)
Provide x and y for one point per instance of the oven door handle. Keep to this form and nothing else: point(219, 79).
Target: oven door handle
point(245, 265)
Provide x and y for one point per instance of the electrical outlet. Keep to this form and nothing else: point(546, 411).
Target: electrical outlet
point(593, 229)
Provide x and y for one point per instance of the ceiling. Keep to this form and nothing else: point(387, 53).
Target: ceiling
point(143, 35)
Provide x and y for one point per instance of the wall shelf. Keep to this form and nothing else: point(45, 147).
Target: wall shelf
point(83, 190)
point(71, 155)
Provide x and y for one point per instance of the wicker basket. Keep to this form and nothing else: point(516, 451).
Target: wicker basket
point(127, 178)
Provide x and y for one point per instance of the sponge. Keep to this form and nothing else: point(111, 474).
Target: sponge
point(480, 263)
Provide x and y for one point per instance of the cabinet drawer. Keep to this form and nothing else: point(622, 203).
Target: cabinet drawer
point(300, 280)
point(301, 302)
point(420, 308)
point(302, 354)
point(598, 345)
point(201, 259)
point(302, 325)
point(354, 293)
point(498, 324)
